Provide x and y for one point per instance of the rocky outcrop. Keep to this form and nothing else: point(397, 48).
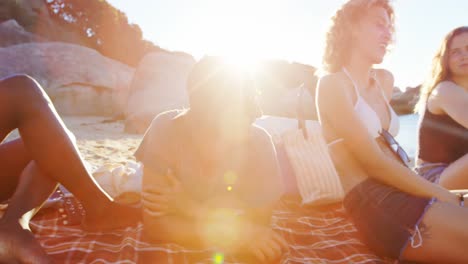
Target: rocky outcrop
point(279, 83)
point(34, 17)
point(159, 84)
point(61, 67)
point(11, 33)
point(404, 102)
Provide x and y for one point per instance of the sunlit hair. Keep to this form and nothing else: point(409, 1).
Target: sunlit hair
point(339, 36)
point(440, 67)
point(214, 84)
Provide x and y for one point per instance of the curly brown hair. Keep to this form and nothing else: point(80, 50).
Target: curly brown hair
point(440, 67)
point(337, 52)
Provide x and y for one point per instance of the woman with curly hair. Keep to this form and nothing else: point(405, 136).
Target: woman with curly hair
point(443, 128)
point(399, 214)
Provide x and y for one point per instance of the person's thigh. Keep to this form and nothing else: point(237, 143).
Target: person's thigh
point(444, 235)
point(455, 176)
point(13, 159)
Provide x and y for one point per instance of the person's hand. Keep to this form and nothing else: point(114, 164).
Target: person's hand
point(266, 245)
point(163, 197)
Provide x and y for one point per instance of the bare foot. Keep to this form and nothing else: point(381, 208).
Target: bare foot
point(111, 217)
point(19, 246)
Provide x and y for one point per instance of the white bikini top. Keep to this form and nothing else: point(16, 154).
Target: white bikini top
point(368, 115)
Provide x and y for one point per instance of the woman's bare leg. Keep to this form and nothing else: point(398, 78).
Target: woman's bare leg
point(455, 176)
point(444, 236)
point(24, 105)
point(44, 156)
point(17, 243)
point(38, 187)
point(13, 159)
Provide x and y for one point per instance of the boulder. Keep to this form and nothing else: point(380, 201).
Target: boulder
point(159, 84)
point(279, 83)
point(405, 102)
point(11, 33)
point(58, 67)
point(82, 99)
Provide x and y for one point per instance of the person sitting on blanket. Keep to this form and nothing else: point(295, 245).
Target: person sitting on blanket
point(210, 175)
point(443, 127)
point(398, 213)
point(32, 165)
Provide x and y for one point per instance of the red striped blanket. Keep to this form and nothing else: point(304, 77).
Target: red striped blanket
point(315, 235)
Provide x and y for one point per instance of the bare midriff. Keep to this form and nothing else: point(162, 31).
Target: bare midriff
point(350, 170)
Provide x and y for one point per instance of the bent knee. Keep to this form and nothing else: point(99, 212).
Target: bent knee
point(22, 87)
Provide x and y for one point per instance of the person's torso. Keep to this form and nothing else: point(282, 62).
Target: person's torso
point(376, 114)
point(441, 139)
point(220, 178)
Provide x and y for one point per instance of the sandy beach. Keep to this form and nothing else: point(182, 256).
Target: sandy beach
point(100, 140)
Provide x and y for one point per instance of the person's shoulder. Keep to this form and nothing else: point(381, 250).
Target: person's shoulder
point(445, 88)
point(386, 79)
point(384, 76)
point(332, 83)
point(165, 118)
point(259, 134)
point(163, 122)
point(333, 79)
point(445, 93)
point(260, 139)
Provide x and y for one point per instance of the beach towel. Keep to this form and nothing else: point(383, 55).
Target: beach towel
point(314, 235)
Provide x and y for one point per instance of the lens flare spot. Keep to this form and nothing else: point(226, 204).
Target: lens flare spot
point(218, 258)
point(229, 188)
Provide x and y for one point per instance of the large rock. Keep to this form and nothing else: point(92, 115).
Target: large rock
point(280, 82)
point(11, 33)
point(404, 102)
point(159, 84)
point(60, 67)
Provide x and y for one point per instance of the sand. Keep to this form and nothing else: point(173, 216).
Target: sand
point(100, 140)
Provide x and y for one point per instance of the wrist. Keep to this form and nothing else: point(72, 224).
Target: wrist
point(447, 196)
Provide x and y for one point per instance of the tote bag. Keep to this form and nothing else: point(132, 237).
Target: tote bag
point(316, 176)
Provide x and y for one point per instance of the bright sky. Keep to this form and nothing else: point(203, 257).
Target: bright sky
point(292, 30)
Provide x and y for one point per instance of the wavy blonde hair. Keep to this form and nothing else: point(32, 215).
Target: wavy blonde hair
point(440, 68)
point(337, 52)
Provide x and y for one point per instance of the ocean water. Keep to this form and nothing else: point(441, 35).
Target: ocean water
point(407, 136)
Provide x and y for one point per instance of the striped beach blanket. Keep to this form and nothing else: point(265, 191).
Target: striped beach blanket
point(315, 235)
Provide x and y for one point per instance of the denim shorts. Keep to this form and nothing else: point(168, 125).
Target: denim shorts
point(387, 219)
point(431, 171)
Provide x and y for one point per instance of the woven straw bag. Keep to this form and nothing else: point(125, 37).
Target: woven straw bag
point(317, 179)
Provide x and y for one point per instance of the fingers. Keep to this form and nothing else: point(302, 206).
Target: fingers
point(154, 213)
point(275, 249)
point(155, 207)
point(157, 189)
point(270, 250)
point(155, 203)
point(273, 246)
point(154, 199)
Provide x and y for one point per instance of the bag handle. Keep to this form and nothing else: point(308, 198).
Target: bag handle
point(301, 124)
